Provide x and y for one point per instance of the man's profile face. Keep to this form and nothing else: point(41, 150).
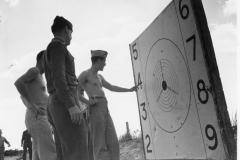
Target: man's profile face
point(68, 36)
point(102, 64)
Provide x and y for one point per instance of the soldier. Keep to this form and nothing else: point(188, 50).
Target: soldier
point(26, 143)
point(103, 134)
point(33, 94)
point(64, 111)
point(2, 148)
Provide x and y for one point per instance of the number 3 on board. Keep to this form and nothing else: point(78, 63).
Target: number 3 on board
point(144, 110)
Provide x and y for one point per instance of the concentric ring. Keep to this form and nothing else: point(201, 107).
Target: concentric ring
point(167, 85)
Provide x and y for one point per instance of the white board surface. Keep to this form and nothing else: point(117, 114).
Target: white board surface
point(176, 106)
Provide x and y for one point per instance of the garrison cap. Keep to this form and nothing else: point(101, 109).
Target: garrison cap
point(98, 53)
point(62, 21)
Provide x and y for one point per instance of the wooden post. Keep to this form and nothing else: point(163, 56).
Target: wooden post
point(128, 135)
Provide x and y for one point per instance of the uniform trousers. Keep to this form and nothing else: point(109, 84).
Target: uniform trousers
point(41, 133)
point(70, 138)
point(103, 134)
point(27, 146)
point(2, 150)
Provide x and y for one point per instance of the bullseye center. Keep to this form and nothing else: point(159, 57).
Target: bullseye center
point(164, 85)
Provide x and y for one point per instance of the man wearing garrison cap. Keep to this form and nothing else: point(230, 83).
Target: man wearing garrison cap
point(99, 53)
point(64, 110)
point(103, 134)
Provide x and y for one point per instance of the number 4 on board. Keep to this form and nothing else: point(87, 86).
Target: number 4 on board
point(139, 82)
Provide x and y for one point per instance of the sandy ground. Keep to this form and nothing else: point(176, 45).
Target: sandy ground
point(12, 158)
point(15, 157)
point(131, 150)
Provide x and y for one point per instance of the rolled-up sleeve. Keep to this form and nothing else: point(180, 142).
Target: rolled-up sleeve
point(58, 75)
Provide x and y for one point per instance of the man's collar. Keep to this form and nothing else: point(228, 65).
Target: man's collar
point(58, 39)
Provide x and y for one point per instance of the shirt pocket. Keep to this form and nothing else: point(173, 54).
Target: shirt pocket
point(70, 66)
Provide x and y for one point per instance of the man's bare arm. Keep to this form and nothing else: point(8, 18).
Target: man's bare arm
point(24, 100)
point(20, 84)
point(23, 80)
point(7, 142)
point(113, 88)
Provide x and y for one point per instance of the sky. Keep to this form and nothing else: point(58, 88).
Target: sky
point(25, 30)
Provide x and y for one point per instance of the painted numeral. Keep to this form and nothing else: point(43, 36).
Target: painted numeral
point(139, 80)
point(182, 8)
point(135, 51)
point(211, 137)
point(203, 89)
point(193, 37)
point(149, 142)
point(144, 109)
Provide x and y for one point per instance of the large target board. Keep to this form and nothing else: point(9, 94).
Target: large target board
point(176, 105)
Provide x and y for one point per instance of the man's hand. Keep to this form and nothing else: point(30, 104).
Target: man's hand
point(76, 115)
point(92, 102)
point(38, 110)
point(83, 107)
point(134, 88)
point(9, 145)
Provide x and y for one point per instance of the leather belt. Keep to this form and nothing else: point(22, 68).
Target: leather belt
point(97, 97)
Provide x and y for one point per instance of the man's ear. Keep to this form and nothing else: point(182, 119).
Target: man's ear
point(65, 29)
point(98, 61)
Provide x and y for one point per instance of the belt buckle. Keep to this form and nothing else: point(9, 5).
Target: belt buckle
point(94, 97)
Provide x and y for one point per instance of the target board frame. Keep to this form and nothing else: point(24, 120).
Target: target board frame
point(181, 104)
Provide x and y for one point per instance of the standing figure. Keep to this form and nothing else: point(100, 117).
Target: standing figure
point(33, 94)
point(64, 110)
point(2, 148)
point(26, 142)
point(103, 134)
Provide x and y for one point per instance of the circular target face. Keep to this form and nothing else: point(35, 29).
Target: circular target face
point(167, 85)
